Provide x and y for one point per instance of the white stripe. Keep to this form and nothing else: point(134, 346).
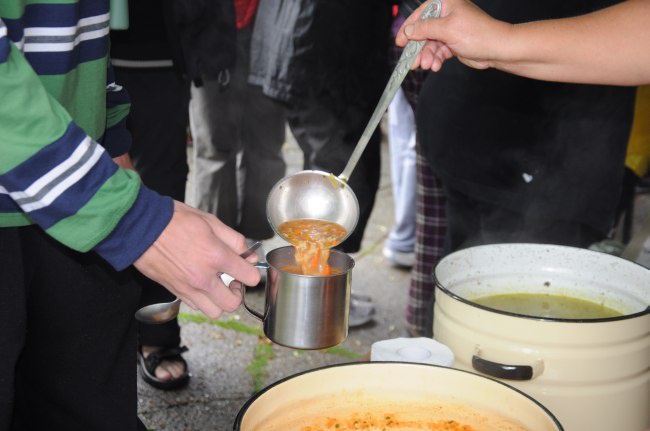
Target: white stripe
point(3, 30)
point(70, 181)
point(69, 46)
point(43, 181)
point(65, 31)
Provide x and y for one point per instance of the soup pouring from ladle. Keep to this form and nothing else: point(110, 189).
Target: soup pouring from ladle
point(313, 194)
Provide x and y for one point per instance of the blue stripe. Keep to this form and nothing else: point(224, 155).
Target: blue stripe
point(7, 205)
point(75, 197)
point(15, 28)
point(20, 177)
point(62, 15)
point(5, 48)
point(137, 230)
point(59, 63)
point(117, 140)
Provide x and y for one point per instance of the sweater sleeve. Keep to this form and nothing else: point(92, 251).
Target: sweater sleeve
point(53, 173)
point(117, 139)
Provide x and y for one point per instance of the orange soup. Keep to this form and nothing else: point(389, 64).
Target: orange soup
point(312, 239)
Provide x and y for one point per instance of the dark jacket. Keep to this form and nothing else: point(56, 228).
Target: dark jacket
point(550, 150)
point(199, 36)
point(335, 49)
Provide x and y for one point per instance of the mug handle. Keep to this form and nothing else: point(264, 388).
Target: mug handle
point(254, 313)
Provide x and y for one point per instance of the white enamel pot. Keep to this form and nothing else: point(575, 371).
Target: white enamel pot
point(593, 374)
point(391, 396)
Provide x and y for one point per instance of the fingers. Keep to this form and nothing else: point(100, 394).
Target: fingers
point(217, 299)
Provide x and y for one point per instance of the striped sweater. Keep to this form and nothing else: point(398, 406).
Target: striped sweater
point(61, 120)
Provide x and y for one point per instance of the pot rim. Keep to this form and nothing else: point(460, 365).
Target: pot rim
point(439, 285)
point(242, 411)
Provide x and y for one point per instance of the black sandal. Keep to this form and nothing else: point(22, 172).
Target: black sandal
point(149, 364)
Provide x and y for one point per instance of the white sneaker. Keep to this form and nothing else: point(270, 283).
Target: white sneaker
point(399, 258)
point(362, 310)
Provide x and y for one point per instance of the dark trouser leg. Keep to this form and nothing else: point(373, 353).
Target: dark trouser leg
point(158, 123)
point(327, 143)
point(431, 225)
point(262, 130)
point(71, 318)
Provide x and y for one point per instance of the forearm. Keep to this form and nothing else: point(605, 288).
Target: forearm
point(605, 47)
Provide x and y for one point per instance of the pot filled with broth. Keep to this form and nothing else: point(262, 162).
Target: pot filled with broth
point(569, 326)
point(392, 396)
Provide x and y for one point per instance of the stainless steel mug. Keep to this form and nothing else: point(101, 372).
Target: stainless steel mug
point(305, 311)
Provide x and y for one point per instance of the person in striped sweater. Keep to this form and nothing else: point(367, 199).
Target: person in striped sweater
point(74, 223)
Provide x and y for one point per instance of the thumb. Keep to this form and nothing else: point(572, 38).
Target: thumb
point(423, 29)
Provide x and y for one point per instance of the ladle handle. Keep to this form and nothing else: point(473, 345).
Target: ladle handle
point(411, 50)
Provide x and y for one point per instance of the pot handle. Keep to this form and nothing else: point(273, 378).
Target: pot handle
point(253, 312)
point(505, 371)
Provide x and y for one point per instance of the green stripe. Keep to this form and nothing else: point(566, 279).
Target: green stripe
point(116, 114)
point(12, 9)
point(31, 118)
point(15, 9)
point(81, 100)
point(100, 215)
point(14, 219)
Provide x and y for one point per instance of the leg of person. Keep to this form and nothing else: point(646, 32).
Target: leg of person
point(431, 223)
point(262, 134)
point(328, 142)
point(13, 318)
point(214, 116)
point(158, 124)
point(399, 247)
point(75, 369)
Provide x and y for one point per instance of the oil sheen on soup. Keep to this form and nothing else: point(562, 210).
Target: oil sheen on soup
point(547, 305)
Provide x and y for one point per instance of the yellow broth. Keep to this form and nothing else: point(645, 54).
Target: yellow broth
point(546, 305)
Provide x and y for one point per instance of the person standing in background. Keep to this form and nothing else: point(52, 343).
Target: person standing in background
point(523, 160)
point(399, 248)
point(329, 68)
point(429, 216)
point(166, 45)
point(237, 135)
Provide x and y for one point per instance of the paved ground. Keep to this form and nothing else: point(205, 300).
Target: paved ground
point(230, 359)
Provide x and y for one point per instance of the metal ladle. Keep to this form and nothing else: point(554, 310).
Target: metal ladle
point(320, 195)
point(165, 311)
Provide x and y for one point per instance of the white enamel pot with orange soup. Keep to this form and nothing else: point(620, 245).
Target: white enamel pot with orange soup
point(392, 396)
point(592, 373)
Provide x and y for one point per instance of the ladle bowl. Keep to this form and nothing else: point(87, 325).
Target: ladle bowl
point(313, 195)
point(321, 195)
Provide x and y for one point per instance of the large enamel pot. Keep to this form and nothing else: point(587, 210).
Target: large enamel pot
point(592, 374)
point(386, 394)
